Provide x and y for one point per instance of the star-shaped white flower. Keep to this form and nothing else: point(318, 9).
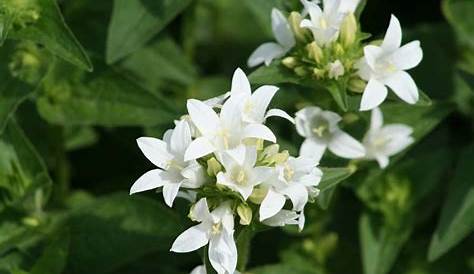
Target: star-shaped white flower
point(173, 171)
point(323, 23)
point(241, 174)
point(215, 228)
point(320, 128)
point(383, 141)
point(223, 131)
point(386, 66)
point(266, 52)
point(296, 179)
point(254, 105)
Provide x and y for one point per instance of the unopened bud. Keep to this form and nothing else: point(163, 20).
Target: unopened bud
point(315, 52)
point(357, 85)
point(348, 30)
point(301, 34)
point(318, 73)
point(290, 62)
point(245, 214)
point(258, 194)
point(280, 158)
point(338, 50)
point(301, 71)
point(213, 167)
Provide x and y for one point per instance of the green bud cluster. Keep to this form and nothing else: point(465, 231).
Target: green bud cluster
point(27, 63)
point(18, 13)
point(332, 62)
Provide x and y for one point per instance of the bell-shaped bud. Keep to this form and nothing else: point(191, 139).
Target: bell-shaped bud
point(315, 52)
point(290, 62)
point(245, 214)
point(348, 32)
point(213, 167)
point(357, 85)
point(301, 34)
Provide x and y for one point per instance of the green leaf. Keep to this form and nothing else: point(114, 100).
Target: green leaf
point(12, 93)
point(24, 179)
point(459, 14)
point(135, 22)
point(380, 244)
point(457, 216)
point(118, 229)
point(54, 257)
point(331, 178)
point(105, 98)
point(284, 269)
point(51, 31)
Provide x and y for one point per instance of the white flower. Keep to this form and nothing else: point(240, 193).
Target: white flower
point(296, 179)
point(282, 218)
point(320, 128)
point(200, 269)
point(324, 24)
point(266, 52)
point(381, 141)
point(221, 132)
point(254, 106)
point(348, 6)
point(336, 69)
point(240, 174)
point(217, 229)
point(168, 155)
point(386, 65)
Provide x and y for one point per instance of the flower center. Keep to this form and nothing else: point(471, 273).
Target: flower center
point(323, 23)
point(288, 172)
point(174, 164)
point(216, 228)
point(240, 177)
point(224, 134)
point(248, 107)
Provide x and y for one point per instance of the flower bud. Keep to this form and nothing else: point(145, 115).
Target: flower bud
point(301, 71)
point(258, 194)
point(338, 50)
point(315, 52)
point(335, 70)
point(290, 62)
point(318, 73)
point(357, 85)
point(300, 33)
point(213, 167)
point(245, 214)
point(348, 30)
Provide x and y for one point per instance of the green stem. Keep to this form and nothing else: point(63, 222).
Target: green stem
point(243, 247)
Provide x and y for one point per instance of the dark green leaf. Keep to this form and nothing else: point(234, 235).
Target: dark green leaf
point(51, 31)
point(54, 257)
point(331, 178)
point(135, 22)
point(457, 216)
point(118, 229)
point(284, 269)
point(459, 14)
point(105, 98)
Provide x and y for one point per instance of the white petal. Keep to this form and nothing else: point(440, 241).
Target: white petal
point(345, 146)
point(371, 54)
point(170, 190)
point(314, 11)
point(347, 6)
point(180, 138)
point(313, 149)
point(155, 150)
point(237, 154)
point(393, 37)
point(240, 83)
point(403, 86)
point(260, 132)
point(148, 181)
point(223, 253)
point(282, 218)
point(301, 221)
point(230, 114)
point(306, 23)
point(279, 113)
point(203, 116)
point(304, 119)
point(201, 269)
point(198, 148)
point(408, 56)
point(382, 160)
point(260, 100)
point(271, 204)
point(261, 174)
point(282, 30)
point(376, 120)
point(217, 101)
point(200, 211)
point(374, 94)
point(265, 53)
point(194, 174)
point(298, 195)
point(192, 239)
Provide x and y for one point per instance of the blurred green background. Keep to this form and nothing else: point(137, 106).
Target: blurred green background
point(68, 154)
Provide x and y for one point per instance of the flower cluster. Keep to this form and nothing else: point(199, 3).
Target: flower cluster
point(225, 160)
point(328, 46)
